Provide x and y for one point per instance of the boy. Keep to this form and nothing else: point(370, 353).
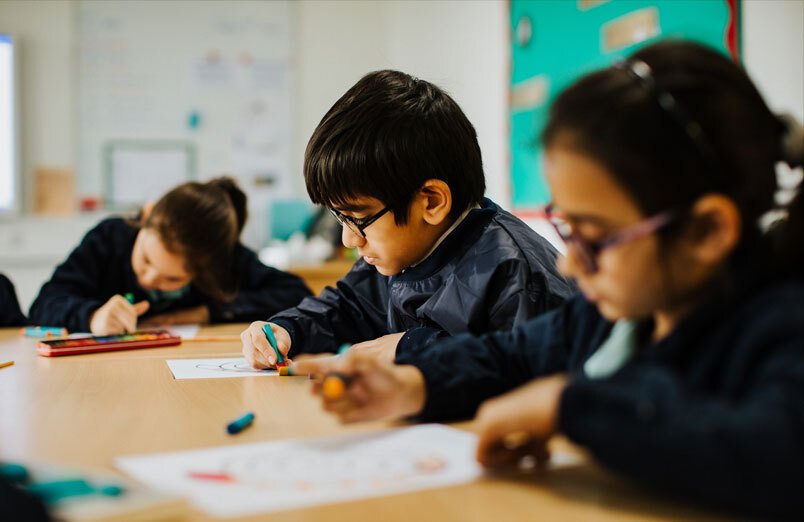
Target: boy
point(398, 164)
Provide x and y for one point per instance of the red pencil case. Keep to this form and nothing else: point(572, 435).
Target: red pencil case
point(108, 343)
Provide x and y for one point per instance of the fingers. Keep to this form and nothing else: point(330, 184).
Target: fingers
point(313, 365)
point(141, 307)
point(256, 347)
point(115, 316)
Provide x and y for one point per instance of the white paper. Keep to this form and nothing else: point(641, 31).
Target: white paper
point(281, 475)
point(185, 331)
point(215, 368)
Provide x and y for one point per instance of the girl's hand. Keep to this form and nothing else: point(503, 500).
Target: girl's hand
point(373, 389)
point(519, 423)
point(256, 348)
point(197, 315)
point(116, 316)
point(383, 348)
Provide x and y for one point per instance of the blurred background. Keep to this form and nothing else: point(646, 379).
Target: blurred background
point(105, 105)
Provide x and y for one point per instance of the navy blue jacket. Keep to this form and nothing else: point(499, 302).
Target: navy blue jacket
point(491, 273)
point(100, 267)
point(10, 313)
point(714, 411)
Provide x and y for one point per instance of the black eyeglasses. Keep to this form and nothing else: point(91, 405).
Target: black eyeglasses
point(358, 225)
point(668, 103)
point(587, 251)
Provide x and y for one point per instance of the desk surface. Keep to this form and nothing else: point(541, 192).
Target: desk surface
point(82, 411)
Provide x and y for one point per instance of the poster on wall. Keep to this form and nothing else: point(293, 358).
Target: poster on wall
point(553, 42)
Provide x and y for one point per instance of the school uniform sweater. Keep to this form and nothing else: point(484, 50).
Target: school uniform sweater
point(491, 272)
point(714, 411)
point(10, 313)
point(100, 267)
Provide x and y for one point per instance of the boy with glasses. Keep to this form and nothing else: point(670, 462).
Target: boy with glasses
point(398, 164)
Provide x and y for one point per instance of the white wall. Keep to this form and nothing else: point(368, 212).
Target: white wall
point(45, 31)
point(463, 48)
point(773, 51)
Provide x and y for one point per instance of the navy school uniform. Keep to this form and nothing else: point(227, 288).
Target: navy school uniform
point(10, 312)
point(100, 267)
point(714, 411)
point(491, 272)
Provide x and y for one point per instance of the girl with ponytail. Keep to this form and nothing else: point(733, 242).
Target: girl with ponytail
point(179, 261)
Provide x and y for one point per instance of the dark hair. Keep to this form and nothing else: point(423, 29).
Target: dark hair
point(202, 222)
point(720, 138)
point(385, 137)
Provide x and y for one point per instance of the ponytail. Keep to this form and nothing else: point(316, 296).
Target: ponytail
point(236, 196)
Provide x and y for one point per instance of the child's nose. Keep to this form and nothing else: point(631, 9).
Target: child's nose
point(351, 239)
point(149, 278)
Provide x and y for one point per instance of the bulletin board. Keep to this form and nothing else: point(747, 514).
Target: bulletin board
point(553, 42)
point(214, 76)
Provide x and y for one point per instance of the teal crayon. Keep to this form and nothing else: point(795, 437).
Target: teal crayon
point(239, 424)
point(53, 491)
point(43, 331)
point(129, 297)
point(269, 334)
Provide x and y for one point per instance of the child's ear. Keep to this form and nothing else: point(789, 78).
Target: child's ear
point(715, 228)
point(436, 201)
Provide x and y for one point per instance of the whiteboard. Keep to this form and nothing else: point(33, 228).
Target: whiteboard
point(135, 171)
point(8, 125)
point(213, 74)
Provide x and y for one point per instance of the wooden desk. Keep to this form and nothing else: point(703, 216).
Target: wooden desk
point(321, 275)
point(82, 411)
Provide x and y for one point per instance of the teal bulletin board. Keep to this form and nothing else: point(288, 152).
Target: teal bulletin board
point(553, 42)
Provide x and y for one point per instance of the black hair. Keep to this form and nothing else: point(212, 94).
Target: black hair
point(727, 140)
point(202, 222)
point(385, 137)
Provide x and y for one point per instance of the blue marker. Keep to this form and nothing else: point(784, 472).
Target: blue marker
point(238, 425)
point(269, 334)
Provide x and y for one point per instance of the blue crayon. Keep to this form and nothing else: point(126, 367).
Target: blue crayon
point(269, 334)
point(238, 425)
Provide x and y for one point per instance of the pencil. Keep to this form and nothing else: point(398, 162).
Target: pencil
point(6, 364)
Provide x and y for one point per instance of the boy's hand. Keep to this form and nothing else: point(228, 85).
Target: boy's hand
point(383, 348)
point(374, 389)
point(256, 348)
point(197, 315)
point(519, 423)
point(116, 316)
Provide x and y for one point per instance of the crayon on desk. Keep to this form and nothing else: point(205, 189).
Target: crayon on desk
point(6, 364)
point(43, 331)
point(209, 475)
point(238, 425)
point(269, 334)
point(334, 385)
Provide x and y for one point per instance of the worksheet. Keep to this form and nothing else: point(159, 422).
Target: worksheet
point(215, 368)
point(249, 479)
